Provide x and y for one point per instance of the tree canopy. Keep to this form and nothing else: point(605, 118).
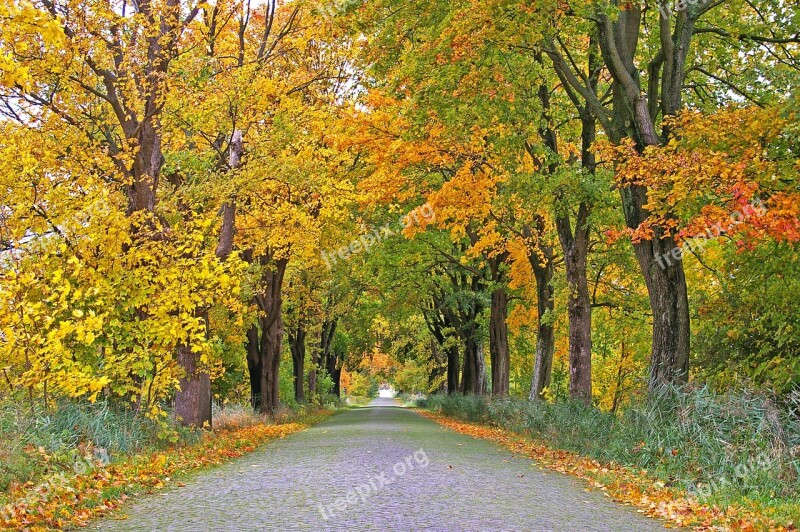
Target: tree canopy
point(589, 199)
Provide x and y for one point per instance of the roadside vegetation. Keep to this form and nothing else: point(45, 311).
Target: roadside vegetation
point(739, 448)
point(66, 465)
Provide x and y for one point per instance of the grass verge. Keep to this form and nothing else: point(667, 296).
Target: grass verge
point(60, 500)
point(696, 459)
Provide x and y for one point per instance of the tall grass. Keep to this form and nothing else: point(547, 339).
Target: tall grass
point(35, 441)
point(739, 444)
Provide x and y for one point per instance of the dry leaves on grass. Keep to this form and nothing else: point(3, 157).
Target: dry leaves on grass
point(73, 501)
point(622, 484)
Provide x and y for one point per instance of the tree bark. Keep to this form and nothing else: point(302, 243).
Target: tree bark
point(333, 367)
point(669, 301)
point(254, 366)
point(272, 337)
point(498, 342)
point(196, 380)
point(297, 345)
point(312, 373)
point(545, 338)
point(474, 374)
point(664, 277)
point(193, 401)
point(326, 346)
point(265, 340)
point(541, 260)
point(452, 369)
point(580, 313)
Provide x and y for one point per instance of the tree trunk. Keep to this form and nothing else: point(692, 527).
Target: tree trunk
point(439, 369)
point(632, 117)
point(498, 343)
point(480, 363)
point(312, 373)
point(545, 339)
point(271, 346)
point(326, 345)
point(542, 263)
point(197, 381)
point(669, 362)
point(254, 366)
point(270, 342)
point(474, 375)
point(332, 366)
point(440, 326)
point(193, 401)
point(452, 369)
point(580, 319)
point(297, 345)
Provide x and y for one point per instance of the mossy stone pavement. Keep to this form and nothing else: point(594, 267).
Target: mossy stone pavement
point(383, 468)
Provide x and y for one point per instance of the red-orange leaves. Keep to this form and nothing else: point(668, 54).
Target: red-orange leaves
point(729, 173)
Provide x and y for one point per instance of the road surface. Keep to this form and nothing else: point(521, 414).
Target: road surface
point(382, 468)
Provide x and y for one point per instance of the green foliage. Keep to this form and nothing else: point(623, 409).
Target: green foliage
point(412, 378)
point(362, 385)
point(749, 330)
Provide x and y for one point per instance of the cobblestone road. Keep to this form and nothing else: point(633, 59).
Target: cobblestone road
point(380, 468)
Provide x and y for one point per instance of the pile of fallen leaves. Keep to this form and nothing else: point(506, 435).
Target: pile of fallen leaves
point(62, 501)
point(635, 487)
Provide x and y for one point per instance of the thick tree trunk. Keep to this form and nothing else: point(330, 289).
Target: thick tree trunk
point(580, 321)
point(267, 339)
point(633, 116)
point(335, 371)
point(666, 286)
point(297, 345)
point(498, 342)
point(193, 401)
point(474, 374)
point(271, 346)
point(197, 380)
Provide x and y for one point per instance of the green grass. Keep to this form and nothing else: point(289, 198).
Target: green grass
point(35, 441)
point(719, 447)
